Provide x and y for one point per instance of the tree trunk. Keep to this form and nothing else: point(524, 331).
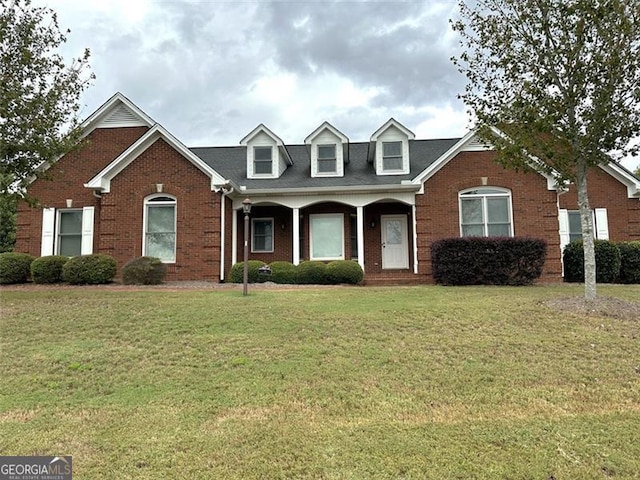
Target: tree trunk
point(586, 221)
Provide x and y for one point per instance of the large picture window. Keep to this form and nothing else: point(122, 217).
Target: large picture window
point(326, 236)
point(262, 235)
point(485, 212)
point(262, 161)
point(69, 233)
point(160, 228)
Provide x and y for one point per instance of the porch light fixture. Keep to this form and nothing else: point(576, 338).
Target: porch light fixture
point(246, 208)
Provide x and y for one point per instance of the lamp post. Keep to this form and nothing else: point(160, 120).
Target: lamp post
point(246, 208)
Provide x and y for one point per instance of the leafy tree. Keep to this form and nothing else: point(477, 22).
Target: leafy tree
point(7, 223)
point(39, 94)
point(561, 79)
point(637, 171)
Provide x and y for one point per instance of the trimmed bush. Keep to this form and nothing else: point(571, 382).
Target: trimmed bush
point(237, 270)
point(89, 269)
point(144, 271)
point(14, 267)
point(487, 260)
point(283, 272)
point(607, 261)
point(629, 262)
point(344, 271)
point(311, 272)
point(48, 269)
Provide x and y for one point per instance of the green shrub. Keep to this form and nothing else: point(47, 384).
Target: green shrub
point(283, 272)
point(14, 267)
point(311, 272)
point(344, 271)
point(237, 271)
point(487, 261)
point(144, 271)
point(89, 269)
point(48, 269)
point(629, 262)
point(607, 261)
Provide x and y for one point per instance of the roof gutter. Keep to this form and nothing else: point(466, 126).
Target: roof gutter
point(404, 187)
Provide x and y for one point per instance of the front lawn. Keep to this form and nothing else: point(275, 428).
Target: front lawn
point(335, 383)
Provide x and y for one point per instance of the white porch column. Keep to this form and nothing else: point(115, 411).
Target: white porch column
point(360, 226)
point(234, 237)
point(415, 239)
point(296, 236)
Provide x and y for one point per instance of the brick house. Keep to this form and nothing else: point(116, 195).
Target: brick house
point(134, 189)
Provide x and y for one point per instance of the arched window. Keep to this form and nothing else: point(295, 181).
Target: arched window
point(486, 212)
point(160, 228)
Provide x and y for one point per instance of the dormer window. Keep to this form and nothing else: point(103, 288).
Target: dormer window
point(327, 159)
point(262, 160)
point(389, 149)
point(391, 156)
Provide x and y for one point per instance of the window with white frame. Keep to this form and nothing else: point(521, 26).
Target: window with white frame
point(326, 236)
point(391, 156)
point(262, 235)
point(69, 238)
point(485, 212)
point(160, 228)
point(327, 159)
point(572, 229)
point(575, 225)
point(262, 161)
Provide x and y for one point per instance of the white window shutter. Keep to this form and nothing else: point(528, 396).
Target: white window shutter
point(602, 224)
point(87, 231)
point(563, 219)
point(48, 231)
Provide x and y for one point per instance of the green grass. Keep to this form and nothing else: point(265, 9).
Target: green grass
point(335, 383)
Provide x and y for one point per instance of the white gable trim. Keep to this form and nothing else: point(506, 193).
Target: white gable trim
point(326, 126)
point(116, 112)
point(625, 177)
point(278, 141)
point(393, 123)
point(102, 181)
point(469, 143)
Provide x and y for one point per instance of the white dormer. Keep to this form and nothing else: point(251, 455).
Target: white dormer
point(389, 148)
point(329, 151)
point(267, 156)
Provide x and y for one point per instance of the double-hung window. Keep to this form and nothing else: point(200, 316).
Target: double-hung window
point(262, 160)
point(391, 156)
point(485, 212)
point(327, 159)
point(326, 236)
point(69, 239)
point(262, 235)
point(160, 228)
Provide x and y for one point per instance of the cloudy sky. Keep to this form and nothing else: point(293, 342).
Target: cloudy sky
point(210, 71)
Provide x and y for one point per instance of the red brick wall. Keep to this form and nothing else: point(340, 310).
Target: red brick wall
point(623, 214)
point(198, 213)
point(66, 179)
point(534, 207)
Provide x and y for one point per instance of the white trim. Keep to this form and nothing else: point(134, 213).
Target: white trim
point(601, 223)
point(48, 232)
point(360, 230)
point(503, 193)
point(273, 234)
point(296, 236)
point(392, 123)
point(414, 223)
point(234, 237)
point(563, 229)
point(263, 129)
point(404, 246)
point(109, 107)
point(148, 201)
point(326, 126)
point(102, 181)
point(86, 245)
point(625, 177)
point(56, 241)
point(326, 215)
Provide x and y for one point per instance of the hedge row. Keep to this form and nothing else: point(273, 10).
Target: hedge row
point(487, 260)
point(84, 269)
point(615, 263)
point(309, 272)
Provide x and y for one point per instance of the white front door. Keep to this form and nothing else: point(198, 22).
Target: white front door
point(395, 247)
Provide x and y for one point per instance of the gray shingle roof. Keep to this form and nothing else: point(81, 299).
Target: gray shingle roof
point(231, 163)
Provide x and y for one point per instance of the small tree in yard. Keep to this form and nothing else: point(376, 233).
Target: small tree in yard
point(39, 94)
point(561, 80)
